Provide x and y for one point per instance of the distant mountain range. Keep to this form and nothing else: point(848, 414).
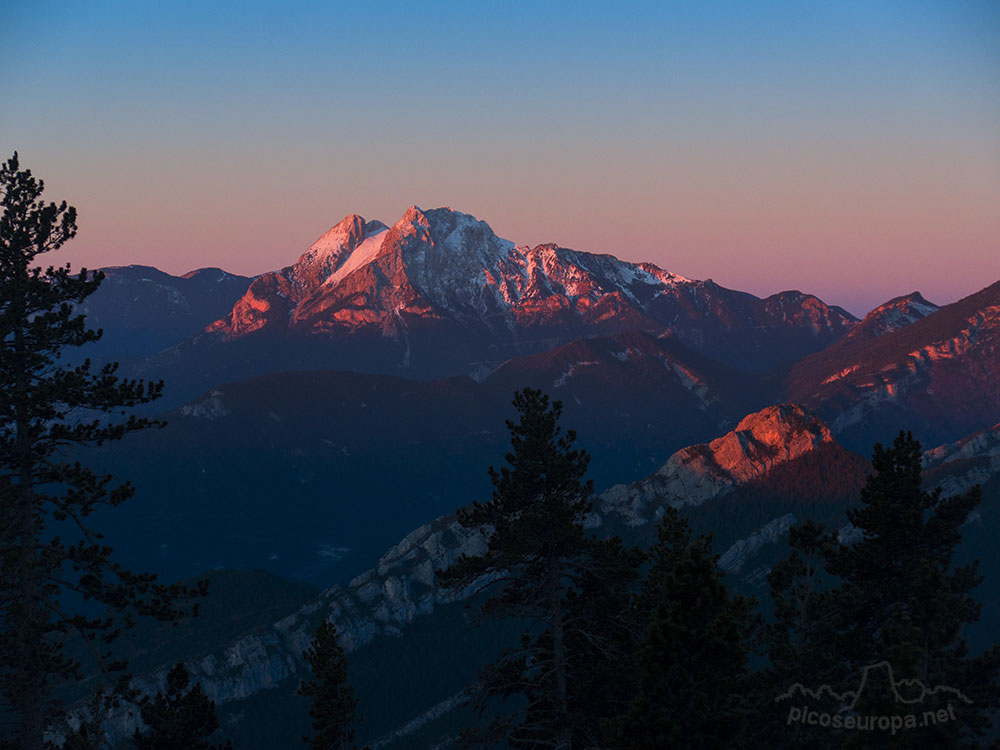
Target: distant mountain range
point(437, 294)
point(340, 448)
point(938, 375)
point(320, 413)
point(645, 361)
point(442, 275)
point(143, 310)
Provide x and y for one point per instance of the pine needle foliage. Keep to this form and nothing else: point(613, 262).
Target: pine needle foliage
point(543, 568)
point(334, 704)
point(692, 659)
point(892, 595)
point(48, 551)
point(182, 717)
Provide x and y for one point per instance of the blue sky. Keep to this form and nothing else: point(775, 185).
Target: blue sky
point(848, 149)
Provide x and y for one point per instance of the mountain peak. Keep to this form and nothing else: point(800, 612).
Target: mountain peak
point(784, 427)
point(440, 269)
point(413, 215)
point(890, 316)
point(335, 249)
point(349, 231)
point(694, 475)
point(762, 440)
point(351, 226)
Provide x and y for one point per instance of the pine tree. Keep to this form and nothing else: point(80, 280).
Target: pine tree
point(602, 630)
point(85, 730)
point(333, 701)
point(692, 660)
point(801, 640)
point(905, 600)
point(47, 548)
point(180, 718)
point(895, 595)
point(538, 562)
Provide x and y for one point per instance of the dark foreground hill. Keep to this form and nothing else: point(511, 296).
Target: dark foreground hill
point(313, 474)
point(413, 647)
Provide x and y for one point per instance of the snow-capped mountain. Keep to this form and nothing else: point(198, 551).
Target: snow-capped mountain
point(440, 264)
point(438, 293)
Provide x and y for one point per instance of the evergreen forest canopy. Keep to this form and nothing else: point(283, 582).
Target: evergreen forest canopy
point(615, 647)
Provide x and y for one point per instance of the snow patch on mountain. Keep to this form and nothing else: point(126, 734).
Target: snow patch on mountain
point(843, 373)
point(362, 255)
point(691, 382)
point(561, 380)
point(211, 408)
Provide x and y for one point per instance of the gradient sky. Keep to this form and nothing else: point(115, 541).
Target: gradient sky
point(848, 149)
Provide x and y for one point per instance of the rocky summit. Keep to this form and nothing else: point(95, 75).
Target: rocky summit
point(438, 293)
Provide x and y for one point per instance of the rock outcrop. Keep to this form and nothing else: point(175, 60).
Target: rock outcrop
point(693, 475)
point(401, 588)
point(957, 467)
point(380, 601)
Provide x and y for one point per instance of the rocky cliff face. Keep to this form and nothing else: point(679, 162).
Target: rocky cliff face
point(743, 550)
point(696, 474)
point(382, 600)
point(401, 588)
point(957, 467)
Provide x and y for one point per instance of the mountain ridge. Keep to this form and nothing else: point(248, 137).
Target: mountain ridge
point(401, 587)
point(438, 293)
point(938, 376)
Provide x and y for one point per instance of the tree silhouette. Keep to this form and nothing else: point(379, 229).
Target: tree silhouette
point(537, 562)
point(180, 718)
point(47, 548)
point(333, 701)
point(895, 595)
point(692, 659)
point(905, 599)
